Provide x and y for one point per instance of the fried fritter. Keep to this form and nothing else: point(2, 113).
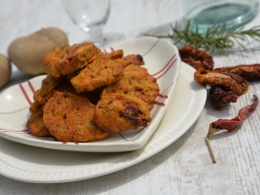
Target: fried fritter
point(93, 96)
point(36, 126)
point(118, 55)
point(53, 60)
point(97, 74)
point(196, 58)
point(35, 123)
point(101, 56)
point(66, 60)
point(65, 86)
point(228, 81)
point(137, 82)
point(115, 54)
point(35, 107)
point(49, 83)
point(119, 112)
point(68, 118)
point(133, 59)
point(108, 56)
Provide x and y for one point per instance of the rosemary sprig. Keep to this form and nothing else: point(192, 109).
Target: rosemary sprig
point(216, 38)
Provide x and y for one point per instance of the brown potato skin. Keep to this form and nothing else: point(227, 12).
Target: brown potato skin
point(27, 52)
point(5, 70)
point(55, 34)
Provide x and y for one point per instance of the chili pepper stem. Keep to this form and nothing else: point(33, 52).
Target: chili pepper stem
point(211, 131)
point(210, 150)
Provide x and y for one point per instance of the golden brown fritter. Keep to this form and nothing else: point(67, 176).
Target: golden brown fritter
point(52, 61)
point(119, 112)
point(36, 126)
point(65, 86)
point(93, 96)
point(115, 54)
point(108, 56)
point(228, 81)
point(133, 59)
point(35, 107)
point(137, 82)
point(66, 60)
point(68, 118)
point(97, 74)
point(118, 55)
point(49, 83)
point(35, 122)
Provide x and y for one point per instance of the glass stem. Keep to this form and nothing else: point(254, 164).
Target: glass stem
point(96, 35)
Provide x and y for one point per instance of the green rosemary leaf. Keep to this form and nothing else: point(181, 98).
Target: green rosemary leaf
point(216, 38)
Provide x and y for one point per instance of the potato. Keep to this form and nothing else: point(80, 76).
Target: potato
point(5, 70)
point(56, 35)
point(28, 52)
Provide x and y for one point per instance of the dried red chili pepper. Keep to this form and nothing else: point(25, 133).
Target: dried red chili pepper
point(229, 124)
point(196, 58)
point(219, 97)
point(244, 70)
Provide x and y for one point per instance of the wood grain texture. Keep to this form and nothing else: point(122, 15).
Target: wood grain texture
point(184, 167)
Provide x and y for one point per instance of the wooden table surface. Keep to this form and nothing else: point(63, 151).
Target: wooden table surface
point(185, 166)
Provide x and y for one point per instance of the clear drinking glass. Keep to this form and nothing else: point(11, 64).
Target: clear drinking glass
point(90, 16)
point(205, 13)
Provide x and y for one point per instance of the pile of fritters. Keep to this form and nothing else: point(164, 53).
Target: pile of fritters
point(88, 94)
